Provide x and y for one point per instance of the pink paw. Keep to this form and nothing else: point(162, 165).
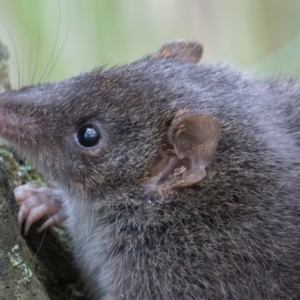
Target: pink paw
point(37, 202)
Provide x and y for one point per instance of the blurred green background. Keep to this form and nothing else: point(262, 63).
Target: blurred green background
point(54, 39)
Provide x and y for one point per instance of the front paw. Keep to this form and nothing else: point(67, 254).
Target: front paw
point(37, 202)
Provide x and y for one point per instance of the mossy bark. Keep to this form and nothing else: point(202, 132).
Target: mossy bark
point(40, 266)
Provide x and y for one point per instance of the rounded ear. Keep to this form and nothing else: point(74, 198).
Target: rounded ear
point(194, 138)
point(186, 51)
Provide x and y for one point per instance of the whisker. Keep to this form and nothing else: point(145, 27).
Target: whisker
point(63, 44)
point(55, 44)
point(37, 56)
point(15, 52)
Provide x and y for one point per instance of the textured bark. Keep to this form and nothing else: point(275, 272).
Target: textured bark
point(40, 266)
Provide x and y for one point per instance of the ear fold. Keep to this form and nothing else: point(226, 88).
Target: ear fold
point(194, 139)
point(186, 51)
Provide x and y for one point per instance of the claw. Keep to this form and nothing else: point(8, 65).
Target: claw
point(35, 214)
point(56, 219)
point(26, 206)
point(36, 203)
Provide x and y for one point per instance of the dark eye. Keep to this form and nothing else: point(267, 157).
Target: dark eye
point(88, 136)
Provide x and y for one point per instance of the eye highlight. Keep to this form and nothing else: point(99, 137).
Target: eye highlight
point(88, 136)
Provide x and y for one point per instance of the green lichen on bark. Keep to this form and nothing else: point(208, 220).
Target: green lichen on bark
point(16, 260)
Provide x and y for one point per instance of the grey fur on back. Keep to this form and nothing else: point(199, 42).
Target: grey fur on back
point(234, 235)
